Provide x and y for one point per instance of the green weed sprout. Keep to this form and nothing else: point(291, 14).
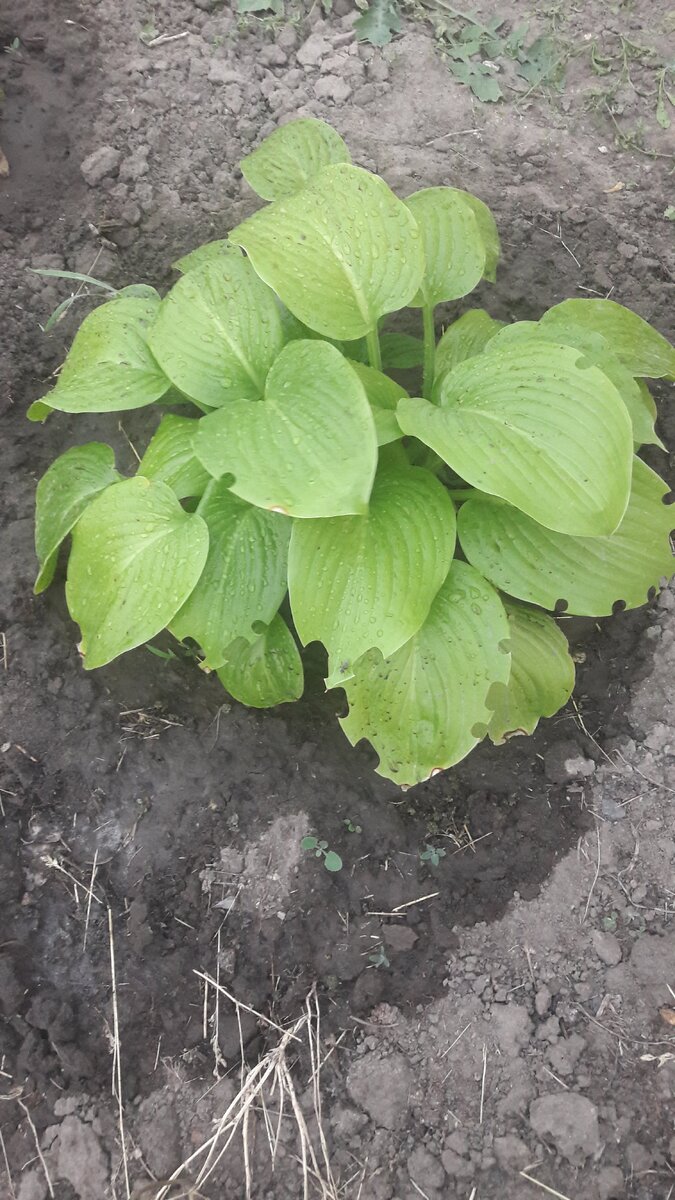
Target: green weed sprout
point(425, 534)
point(331, 860)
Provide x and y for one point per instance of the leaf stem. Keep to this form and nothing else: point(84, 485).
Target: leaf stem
point(374, 353)
point(429, 349)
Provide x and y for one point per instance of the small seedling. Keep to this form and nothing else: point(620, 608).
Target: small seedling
point(432, 854)
point(350, 826)
point(420, 538)
point(379, 958)
point(331, 860)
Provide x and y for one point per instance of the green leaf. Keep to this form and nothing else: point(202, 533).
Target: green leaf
point(453, 247)
point(244, 577)
point(55, 273)
point(63, 493)
point(588, 574)
point(218, 332)
point(662, 113)
point(480, 79)
point(545, 63)
point(109, 367)
point(649, 417)
point(309, 449)
point(383, 396)
point(256, 6)
point(332, 861)
point(529, 425)
point(639, 347)
point(361, 582)
point(378, 23)
point(487, 227)
point(596, 350)
point(38, 411)
point(267, 672)
point(465, 338)
point(339, 254)
point(309, 843)
point(135, 559)
point(210, 252)
point(291, 157)
point(400, 351)
point(170, 457)
point(426, 706)
point(542, 674)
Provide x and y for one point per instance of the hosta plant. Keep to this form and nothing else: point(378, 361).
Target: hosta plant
point(293, 491)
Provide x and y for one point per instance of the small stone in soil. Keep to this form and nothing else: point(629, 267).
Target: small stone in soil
point(104, 161)
point(606, 947)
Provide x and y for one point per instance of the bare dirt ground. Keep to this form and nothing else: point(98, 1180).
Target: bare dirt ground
point(495, 1027)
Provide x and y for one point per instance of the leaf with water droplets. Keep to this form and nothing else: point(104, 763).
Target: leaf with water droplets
point(291, 156)
point(265, 672)
point(63, 493)
point(362, 582)
point(340, 254)
point(465, 338)
point(170, 457)
point(639, 347)
point(383, 396)
point(531, 425)
point(542, 674)
point(135, 559)
point(109, 367)
point(309, 449)
point(218, 332)
point(595, 350)
point(244, 577)
point(590, 574)
point(426, 706)
point(454, 251)
point(210, 252)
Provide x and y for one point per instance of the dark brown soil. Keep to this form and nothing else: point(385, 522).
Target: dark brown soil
point(186, 810)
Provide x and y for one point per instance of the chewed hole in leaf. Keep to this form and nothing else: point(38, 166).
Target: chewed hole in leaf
point(505, 646)
point(258, 628)
point(478, 731)
point(497, 697)
point(651, 593)
point(618, 607)
point(560, 607)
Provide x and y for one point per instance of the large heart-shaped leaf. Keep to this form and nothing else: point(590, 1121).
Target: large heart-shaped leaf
point(465, 338)
point(244, 577)
point(362, 582)
point(426, 706)
point(528, 424)
point(309, 449)
point(218, 332)
point(135, 559)
point(639, 347)
point(63, 493)
point(170, 457)
point(542, 674)
point(454, 251)
point(383, 396)
point(597, 351)
point(109, 367)
point(290, 158)
point(208, 253)
point(265, 672)
point(340, 254)
point(588, 574)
